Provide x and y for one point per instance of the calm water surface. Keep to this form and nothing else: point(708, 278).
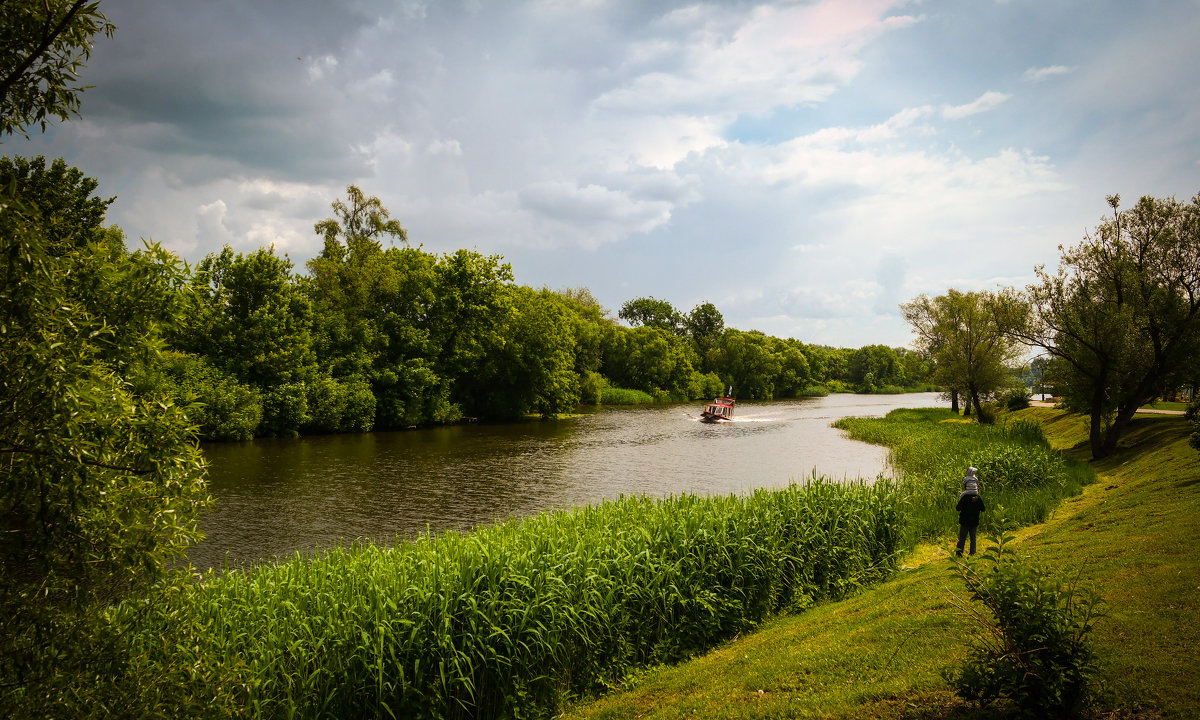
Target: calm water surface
point(277, 497)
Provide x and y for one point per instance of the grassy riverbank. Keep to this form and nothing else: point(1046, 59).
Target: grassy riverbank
point(882, 654)
point(515, 618)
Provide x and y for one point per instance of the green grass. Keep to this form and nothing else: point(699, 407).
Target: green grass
point(1166, 405)
point(1018, 470)
point(881, 654)
point(515, 618)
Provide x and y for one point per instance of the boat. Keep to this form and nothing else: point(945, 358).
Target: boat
point(720, 409)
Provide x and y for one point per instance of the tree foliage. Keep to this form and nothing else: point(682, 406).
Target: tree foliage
point(652, 312)
point(1121, 316)
point(46, 43)
point(969, 336)
point(101, 484)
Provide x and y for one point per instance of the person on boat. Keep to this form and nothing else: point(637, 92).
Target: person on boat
point(969, 506)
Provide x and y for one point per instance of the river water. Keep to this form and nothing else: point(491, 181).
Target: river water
point(278, 497)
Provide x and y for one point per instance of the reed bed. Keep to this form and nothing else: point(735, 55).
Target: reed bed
point(1021, 477)
point(514, 618)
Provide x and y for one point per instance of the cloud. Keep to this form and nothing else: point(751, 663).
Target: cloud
point(732, 61)
point(987, 101)
point(1041, 74)
point(596, 214)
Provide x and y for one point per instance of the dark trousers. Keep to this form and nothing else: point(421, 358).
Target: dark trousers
point(963, 531)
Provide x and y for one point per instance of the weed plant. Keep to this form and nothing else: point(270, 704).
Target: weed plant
point(931, 449)
point(1032, 647)
point(510, 620)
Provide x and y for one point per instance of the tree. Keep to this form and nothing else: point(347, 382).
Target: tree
point(1121, 317)
point(101, 485)
point(62, 196)
point(46, 42)
point(969, 336)
point(529, 366)
point(704, 325)
point(875, 366)
point(747, 361)
point(649, 359)
point(364, 219)
point(651, 312)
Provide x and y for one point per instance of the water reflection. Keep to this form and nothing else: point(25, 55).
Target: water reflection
point(277, 497)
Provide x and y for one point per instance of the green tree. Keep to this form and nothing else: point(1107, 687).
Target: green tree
point(649, 359)
point(68, 212)
point(252, 320)
point(46, 43)
point(374, 314)
point(970, 337)
point(529, 366)
point(704, 325)
point(101, 486)
point(651, 312)
point(794, 372)
point(220, 407)
point(747, 361)
point(875, 366)
point(363, 219)
point(1121, 317)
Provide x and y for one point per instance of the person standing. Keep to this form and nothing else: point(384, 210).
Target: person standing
point(969, 506)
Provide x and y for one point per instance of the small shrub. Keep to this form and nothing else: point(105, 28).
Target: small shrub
point(1014, 400)
point(590, 388)
point(1032, 645)
point(285, 410)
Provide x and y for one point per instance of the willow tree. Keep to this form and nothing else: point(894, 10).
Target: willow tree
point(1121, 317)
point(970, 338)
point(46, 42)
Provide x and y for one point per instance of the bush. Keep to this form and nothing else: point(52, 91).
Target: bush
point(705, 386)
point(336, 406)
point(285, 410)
point(624, 396)
point(222, 408)
point(590, 388)
point(1032, 645)
point(1014, 400)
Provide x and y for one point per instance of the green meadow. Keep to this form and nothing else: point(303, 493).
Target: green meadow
point(884, 653)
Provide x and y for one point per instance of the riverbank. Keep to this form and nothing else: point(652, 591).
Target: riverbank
point(883, 653)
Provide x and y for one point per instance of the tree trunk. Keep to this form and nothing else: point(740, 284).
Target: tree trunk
point(954, 401)
point(1096, 436)
point(1124, 417)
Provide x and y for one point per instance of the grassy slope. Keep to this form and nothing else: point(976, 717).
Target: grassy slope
point(1133, 534)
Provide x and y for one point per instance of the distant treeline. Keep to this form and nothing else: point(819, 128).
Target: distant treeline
point(378, 334)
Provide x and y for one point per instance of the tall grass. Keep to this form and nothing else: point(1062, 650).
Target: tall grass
point(509, 620)
point(931, 449)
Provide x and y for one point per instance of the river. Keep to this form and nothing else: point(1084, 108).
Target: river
point(278, 497)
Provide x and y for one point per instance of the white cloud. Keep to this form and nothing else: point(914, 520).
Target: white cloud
point(1041, 74)
point(987, 101)
point(771, 56)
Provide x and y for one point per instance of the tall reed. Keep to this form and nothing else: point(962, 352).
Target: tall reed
point(1017, 468)
point(509, 620)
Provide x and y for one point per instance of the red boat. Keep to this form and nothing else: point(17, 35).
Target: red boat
point(719, 409)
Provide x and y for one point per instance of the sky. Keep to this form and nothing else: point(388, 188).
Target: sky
point(805, 166)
